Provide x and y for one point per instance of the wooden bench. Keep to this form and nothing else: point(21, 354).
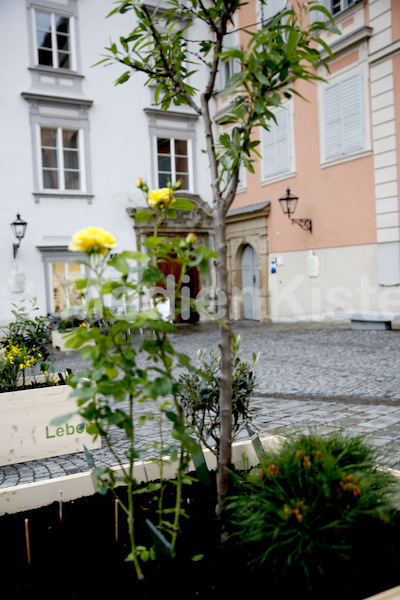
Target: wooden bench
point(369, 319)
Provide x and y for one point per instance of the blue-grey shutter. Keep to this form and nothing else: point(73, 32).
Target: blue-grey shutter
point(276, 145)
point(343, 110)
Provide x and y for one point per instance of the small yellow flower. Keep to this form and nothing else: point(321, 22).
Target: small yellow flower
point(92, 240)
point(22, 366)
point(139, 182)
point(162, 196)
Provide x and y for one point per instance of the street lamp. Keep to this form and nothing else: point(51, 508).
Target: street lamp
point(19, 227)
point(288, 204)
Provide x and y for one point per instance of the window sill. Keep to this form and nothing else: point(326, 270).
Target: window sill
point(280, 177)
point(342, 159)
point(61, 195)
point(55, 71)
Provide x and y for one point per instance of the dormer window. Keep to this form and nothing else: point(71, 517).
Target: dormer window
point(53, 40)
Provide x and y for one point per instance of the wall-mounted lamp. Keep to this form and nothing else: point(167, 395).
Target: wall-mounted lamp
point(288, 203)
point(19, 227)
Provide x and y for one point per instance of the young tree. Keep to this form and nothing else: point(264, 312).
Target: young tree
point(164, 46)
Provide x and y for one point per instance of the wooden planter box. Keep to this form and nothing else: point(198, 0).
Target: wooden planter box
point(26, 432)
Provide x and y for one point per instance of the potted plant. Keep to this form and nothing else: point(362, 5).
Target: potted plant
point(31, 395)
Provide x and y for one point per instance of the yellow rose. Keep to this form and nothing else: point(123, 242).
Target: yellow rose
point(139, 183)
point(163, 196)
point(92, 240)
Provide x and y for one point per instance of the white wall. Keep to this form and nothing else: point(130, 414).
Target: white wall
point(343, 279)
point(119, 145)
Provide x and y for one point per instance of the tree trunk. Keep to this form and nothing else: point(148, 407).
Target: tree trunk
point(225, 395)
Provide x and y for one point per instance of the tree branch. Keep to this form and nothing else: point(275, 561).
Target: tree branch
point(168, 72)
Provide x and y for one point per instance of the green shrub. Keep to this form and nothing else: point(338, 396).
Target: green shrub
point(199, 394)
point(319, 517)
point(29, 331)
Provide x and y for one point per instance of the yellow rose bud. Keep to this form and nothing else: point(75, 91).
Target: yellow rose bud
point(190, 238)
point(92, 240)
point(140, 182)
point(162, 196)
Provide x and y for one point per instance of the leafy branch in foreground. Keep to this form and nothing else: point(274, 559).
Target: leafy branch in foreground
point(115, 382)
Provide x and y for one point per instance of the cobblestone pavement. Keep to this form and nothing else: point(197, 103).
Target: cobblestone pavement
point(321, 375)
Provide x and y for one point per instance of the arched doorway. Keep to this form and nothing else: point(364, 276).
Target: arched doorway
point(250, 284)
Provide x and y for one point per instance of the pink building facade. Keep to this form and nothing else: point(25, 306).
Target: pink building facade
point(338, 153)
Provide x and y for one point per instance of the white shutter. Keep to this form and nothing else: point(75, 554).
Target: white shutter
point(343, 110)
point(332, 121)
point(282, 142)
point(276, 145)
point(353, 113)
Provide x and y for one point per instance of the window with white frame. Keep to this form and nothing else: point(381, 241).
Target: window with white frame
point(334, 6)
point(228, 68)
point(62, 279)
point(60, 159)
point(53, 39)
point(174, 162)
point(337, 6)
point(343, 118)
point(277, 153)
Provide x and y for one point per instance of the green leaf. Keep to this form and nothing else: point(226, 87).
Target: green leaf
point(111, 372)
point(92, 429)
point(90, 352)
point(197, 557)
point(324, 10)
point(153, 241)
point(183, 204)
point(161, 386)
point(171, 213)
point(124, 77)
point(142, 216)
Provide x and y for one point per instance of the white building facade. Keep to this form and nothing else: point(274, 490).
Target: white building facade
point(72, 144)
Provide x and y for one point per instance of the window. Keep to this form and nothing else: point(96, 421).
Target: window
point(60, 158)
point(334, 6)
point(173, 162)
point(228, 68)
point(53, 40)
point(337, 6)
point(267, 11)
point(63, 291)
point(343, 116)
point(276, 143)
